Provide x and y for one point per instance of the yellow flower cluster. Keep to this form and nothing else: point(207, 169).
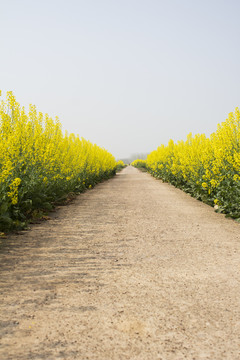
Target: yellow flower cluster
point(208, 168)
point(120, 165)
point(13, 193)
point(139, 163)
point(39, 164)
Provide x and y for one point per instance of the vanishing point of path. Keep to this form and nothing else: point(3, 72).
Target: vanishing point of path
point(133, 269)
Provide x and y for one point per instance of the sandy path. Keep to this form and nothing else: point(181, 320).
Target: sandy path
point(133, 269)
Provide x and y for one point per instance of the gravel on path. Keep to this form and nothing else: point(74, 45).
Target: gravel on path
point(132, 269)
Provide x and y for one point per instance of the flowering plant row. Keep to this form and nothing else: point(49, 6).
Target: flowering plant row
point(40, 165)
point(139, 164)
point(207, 168)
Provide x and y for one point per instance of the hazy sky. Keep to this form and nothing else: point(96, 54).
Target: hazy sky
point(125, 74)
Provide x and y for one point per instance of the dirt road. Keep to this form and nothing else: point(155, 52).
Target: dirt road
point(133, 269)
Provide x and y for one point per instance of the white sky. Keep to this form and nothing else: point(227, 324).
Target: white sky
point(127, 74)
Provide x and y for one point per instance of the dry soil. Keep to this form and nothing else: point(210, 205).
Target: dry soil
point(132, 269)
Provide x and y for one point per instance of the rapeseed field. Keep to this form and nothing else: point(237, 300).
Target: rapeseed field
point(40, 165)
point(206, 167)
